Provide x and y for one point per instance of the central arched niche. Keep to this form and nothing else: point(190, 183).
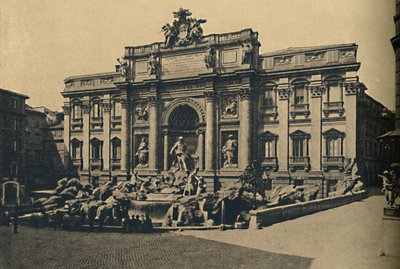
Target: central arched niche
point(183, 121)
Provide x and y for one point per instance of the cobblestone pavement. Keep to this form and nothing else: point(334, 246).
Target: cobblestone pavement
point(345, 237)
point(46, 248)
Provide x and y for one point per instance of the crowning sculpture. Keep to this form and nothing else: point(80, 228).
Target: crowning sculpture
point(184, 29)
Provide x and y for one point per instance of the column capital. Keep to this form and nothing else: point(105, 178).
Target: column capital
point(316, 90)
point(85, 107)
point(153, 100)
point(283, 93)
point(107, 106)
point(210, 95)
point(246, 93)
point(124, 102)
point(351, 88)
point(66, 109)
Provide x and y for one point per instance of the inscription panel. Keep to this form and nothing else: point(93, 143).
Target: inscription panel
point(141, 67)
point(229, 56)
point(183, 63)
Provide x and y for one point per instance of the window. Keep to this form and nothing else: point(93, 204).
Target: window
point(269, 149)
point(14, 170)
point(333, 143)
point(14, 103)
point(299, 144)
point(269, 140)
point(96, 110)
point(15, 124)
point(116, 109)
point(300, 94)
point(269, 98)
point(76, 149)
point(96, 149)
point(76, 111)
point(333, 146)
point(116, 149)
point(298, 148)
point(15, 145)
point(334, 91)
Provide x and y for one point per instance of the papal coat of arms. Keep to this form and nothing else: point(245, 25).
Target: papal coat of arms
point(184, 29)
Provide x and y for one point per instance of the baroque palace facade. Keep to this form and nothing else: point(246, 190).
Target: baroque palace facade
point(297, 111)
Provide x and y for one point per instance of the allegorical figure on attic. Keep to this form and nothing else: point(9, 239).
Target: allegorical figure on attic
point(152, 65)
point(123, 66)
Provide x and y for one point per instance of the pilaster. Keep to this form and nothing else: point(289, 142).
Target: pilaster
point(153, 133)
point(283, 129)
point(86, 135)
point(67, 134)
point(106, 131)
point(210, 143)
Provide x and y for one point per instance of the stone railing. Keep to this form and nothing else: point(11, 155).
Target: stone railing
point(333, 162)
point(302, 163)
point(300, 109)
point(265, 217)
point(270, 163)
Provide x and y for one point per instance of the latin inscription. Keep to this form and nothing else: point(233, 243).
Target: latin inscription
point(183, 63)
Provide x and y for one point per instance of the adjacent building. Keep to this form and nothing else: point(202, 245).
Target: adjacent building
point(12, 127)
point(300, 112)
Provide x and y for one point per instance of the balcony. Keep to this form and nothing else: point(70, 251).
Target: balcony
point(333, 107)
point(96, 123)
point(77, 123)
point(115, 122)
point(333, 163)
point(96, 164)
point(300, 110)
point(270, 163)
point(77, 163)
point(115, 164)
point(299, 163)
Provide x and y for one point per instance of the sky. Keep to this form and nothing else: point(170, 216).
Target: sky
point(42, 42)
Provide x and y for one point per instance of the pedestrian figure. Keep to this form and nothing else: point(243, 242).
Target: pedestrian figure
point(58, 219)
point(91, 217)
point(147, 224)
point(126, 224)
point(141, 227)
point(136, 223)
point(168, 222)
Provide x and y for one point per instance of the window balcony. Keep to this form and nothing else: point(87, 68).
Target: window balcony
point(300, 109)
point(115, 161)
point(333, 162)
point(77, 123)
point(115, 122)
point(96, 164)
point(299, 163)
point(77, 163)
point(333, 107)
point(270, 112)
point(96, 123)
point(270, 163)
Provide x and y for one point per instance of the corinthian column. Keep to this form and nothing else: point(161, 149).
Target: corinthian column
point(166, 150)
point(200, 148)
point(125, 135)
point(245, 132)
point(210, 144)
point(153, 133)
point(86, 135)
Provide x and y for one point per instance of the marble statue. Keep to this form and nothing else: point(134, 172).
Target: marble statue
point(209, 58)
point(229, 151)
point(152, 67)
point(247, 50)
point(123, 66)
point(142, 152)
point(179, 150)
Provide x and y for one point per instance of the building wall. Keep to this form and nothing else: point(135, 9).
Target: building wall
point(12, 125)
point(312, 121)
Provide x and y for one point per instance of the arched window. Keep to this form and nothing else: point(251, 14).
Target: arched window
point(76, 149)
point(96, 149)
point(300, 93)
point(76, 110)
point(97, 111)
point(116, 108)
point(116, 148)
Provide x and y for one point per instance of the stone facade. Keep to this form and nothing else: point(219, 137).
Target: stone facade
point(295, 111)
